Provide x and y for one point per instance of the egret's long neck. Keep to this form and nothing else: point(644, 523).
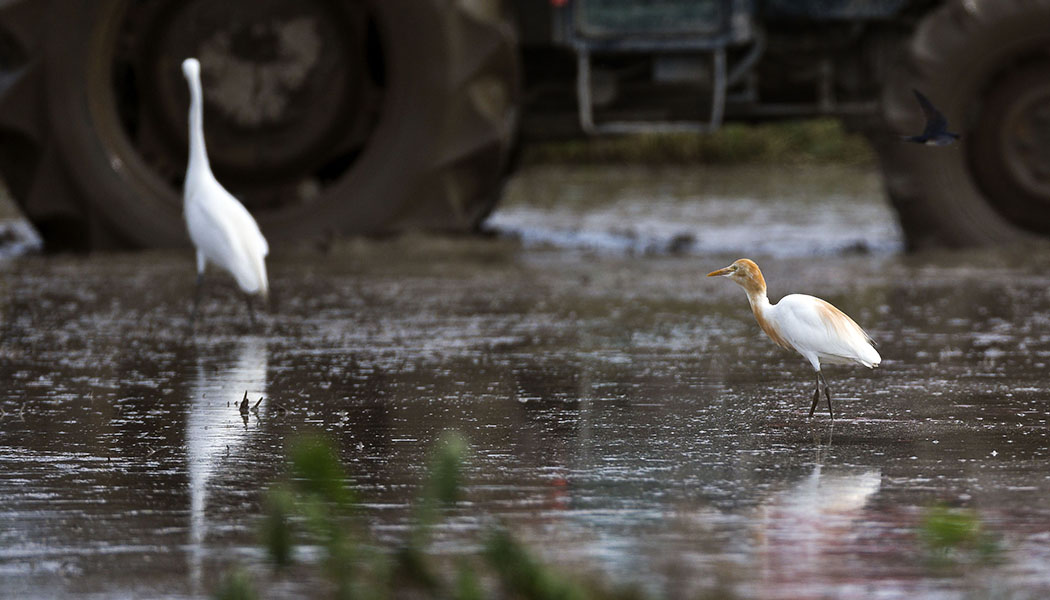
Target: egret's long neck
point(759, 302)
point(760, 306)
point(755, 286)
point(198, 153)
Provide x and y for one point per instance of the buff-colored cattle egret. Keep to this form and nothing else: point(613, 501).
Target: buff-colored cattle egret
point(810, 326)
point(223, 231)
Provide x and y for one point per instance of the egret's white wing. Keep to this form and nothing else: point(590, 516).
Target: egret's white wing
point(252, 242)
point(253, 239)
point(812, 325)
point(226, 234)
point(207, 228)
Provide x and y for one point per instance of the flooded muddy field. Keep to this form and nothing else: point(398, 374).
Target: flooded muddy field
point(626, 416)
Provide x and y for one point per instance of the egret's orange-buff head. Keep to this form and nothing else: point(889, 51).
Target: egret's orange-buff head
point(745, 272)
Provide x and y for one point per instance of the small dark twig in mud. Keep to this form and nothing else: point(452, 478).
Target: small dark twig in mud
point(280, 408)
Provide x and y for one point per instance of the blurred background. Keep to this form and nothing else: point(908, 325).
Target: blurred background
point(333, 117)
point(495, 218)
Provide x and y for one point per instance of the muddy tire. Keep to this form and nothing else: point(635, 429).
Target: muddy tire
point(985, 64)
point(325, 117)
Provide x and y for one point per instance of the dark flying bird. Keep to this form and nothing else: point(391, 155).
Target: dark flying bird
point(936, 132)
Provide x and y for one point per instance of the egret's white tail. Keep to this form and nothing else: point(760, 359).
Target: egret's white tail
point(869, 356)
point(260, 271)
point(250, 272)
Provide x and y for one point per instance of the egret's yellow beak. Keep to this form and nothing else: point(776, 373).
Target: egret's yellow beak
point(722, 271)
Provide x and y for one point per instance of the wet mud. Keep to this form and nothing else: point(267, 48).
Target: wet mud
point(625, 413)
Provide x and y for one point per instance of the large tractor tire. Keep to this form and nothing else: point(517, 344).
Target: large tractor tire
point(986, 65)
point(325, 117)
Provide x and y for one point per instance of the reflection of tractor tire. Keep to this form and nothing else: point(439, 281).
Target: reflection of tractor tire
point(984, 64)
point(324, 116)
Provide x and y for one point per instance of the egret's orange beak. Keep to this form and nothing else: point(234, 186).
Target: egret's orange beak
point(722, 271)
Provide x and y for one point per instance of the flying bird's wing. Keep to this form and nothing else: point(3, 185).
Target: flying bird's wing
point(936, 122)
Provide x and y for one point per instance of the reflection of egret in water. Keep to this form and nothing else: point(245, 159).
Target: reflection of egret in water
point(804, 531)
point(214, 427)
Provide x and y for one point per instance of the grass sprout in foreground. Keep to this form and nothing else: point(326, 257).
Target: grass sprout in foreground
point(314, 507)
point(957, 536)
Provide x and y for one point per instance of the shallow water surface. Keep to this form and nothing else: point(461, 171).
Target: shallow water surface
point(753, 210)
point(625, 414)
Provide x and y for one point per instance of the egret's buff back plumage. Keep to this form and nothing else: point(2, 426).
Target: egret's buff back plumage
point(223, 231)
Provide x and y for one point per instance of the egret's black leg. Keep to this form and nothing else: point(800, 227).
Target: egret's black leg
point(270, 303)
point(197, 296)
point(251, 309)
point(816, 397)
point(827, 392)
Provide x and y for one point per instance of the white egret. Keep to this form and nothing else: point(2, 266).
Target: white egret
point(810, 326)
point(222, 230)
